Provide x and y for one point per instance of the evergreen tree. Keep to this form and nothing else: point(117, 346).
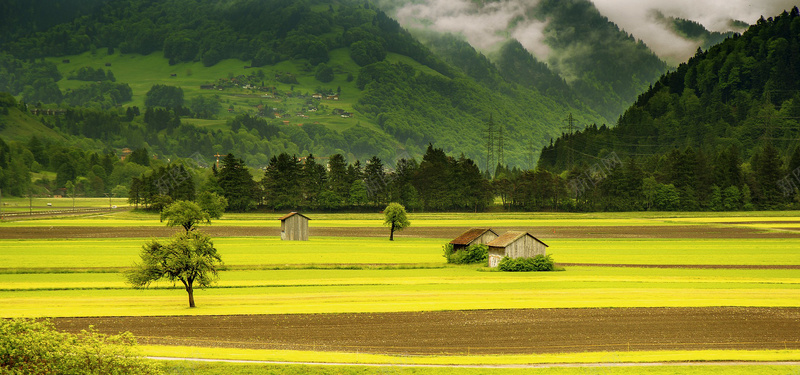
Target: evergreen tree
point(139, 156)
point(313, 179)
point(768, 168)
point(376, 181)
point(237, 184)
point(280, 182)
point(338, 180)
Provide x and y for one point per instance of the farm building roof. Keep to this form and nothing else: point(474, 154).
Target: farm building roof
point(471, 235)
point(509, 237)
point(290, 214)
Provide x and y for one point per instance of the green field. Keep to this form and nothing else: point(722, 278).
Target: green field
point(142, 72)
point(388, 290)
point(236, 368)
point(762, 220)
point(263, 275)
point(36, 204)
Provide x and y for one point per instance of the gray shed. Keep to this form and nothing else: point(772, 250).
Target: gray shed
point(515, 244)
point(294, 227)
point(479, 236)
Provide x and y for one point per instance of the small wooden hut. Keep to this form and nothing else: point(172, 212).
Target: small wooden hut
point(294, 227)
point(515, 245)
point(479, 236)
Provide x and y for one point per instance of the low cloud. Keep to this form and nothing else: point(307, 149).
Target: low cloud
point(485, 26)
point(637, 18)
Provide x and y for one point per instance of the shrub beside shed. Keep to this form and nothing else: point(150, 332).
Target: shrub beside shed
point(514, 244)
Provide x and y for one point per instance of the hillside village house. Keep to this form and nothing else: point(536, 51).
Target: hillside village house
point(479, 236)
point(514, 244)
point(294, 227)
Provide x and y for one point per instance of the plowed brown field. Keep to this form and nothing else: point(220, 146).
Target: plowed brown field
point(473, 332)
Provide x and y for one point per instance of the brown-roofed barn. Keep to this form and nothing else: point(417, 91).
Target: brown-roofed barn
point(515, 244)
point(479, 236)
point(294, 227)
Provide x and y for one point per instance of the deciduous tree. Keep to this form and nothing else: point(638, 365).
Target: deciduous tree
point(395, 215)
point(185, 214)
point(190, 258)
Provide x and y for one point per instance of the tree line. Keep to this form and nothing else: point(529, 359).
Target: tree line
point(437, 183)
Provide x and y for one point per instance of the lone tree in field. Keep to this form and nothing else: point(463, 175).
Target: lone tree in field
point(395, 215)
point(189, 258)
point(185, 214)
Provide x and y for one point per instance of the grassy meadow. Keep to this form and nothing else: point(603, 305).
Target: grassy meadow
point(263, 275)
point(240, 368)
point(142, 72)
point(37, 204)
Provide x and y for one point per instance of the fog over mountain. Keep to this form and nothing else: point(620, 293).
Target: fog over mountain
point(486, 24)
point(639, 17)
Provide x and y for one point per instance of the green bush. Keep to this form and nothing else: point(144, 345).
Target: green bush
point(31, 347)
point(475, 253)
point(537, 263)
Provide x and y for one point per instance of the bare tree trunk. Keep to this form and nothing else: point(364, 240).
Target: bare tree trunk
point(391, 234)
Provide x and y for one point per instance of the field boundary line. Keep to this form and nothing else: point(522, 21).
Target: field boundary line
point(497, 366)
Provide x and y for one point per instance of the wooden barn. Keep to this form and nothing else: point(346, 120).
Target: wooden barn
point(479, 236)
point(515, 245)
point(294, 227)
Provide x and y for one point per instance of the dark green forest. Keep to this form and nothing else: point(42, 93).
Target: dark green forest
point(723, 124)
point(448, 104)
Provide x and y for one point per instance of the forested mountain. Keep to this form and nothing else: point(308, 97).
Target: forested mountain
point(726, 119)
point(606, 67)
point(566, 48)
point(695, 31)
point(290, 50)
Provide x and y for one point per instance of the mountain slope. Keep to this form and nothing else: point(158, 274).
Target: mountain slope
point(743, 93)
point(277, 50)
point(605, 68)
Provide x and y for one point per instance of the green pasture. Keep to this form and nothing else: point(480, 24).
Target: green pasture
point(244, 368)
point(389, 290)
point(236, 252)
point(677, 251)
point(446, 278)
point(701, 357)
point(16, 204)
point(765, 221)
point(142, 72)
point(51, 255)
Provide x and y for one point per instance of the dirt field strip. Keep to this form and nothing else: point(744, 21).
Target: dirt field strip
point(472, 332)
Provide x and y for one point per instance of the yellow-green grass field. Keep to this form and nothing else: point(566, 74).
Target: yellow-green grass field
point(390, 290)
point(765, 221)
point(83, 277)
point(271, 252)
point(243, 368)
point(37, 204)
point(698, 356)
